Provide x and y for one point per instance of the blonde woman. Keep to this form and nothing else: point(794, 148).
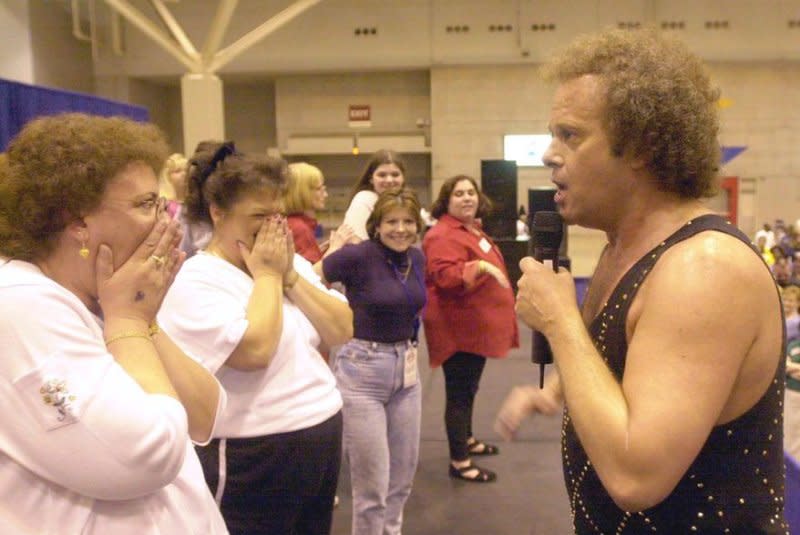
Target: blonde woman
point(173, 186)
point(172, 182)
point(305, 196)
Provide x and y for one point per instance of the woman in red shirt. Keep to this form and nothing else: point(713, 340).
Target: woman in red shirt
point(305, 195)
point(470, 313)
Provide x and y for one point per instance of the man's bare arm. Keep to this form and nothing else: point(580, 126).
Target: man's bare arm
point(688, 340)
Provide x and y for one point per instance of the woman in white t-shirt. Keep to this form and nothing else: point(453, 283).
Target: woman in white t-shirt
point(255, 314)
point(99, 406)
point(384, 171)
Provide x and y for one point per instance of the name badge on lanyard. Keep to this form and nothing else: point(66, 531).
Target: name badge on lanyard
point(485, 245)
point(410, 366)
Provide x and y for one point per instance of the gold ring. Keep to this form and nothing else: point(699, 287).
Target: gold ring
point(158, 259)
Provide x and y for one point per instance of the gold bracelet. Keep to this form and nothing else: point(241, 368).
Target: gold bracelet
point(128, 334)
point(153, 329)
point(290, 281)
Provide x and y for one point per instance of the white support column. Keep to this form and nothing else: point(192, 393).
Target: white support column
point(16, 61)
point(203, 110)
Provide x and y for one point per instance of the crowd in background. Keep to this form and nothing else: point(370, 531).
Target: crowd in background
point(779, 245)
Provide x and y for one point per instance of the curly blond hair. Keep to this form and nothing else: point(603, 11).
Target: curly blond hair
point(660, 104)
point(56, 170)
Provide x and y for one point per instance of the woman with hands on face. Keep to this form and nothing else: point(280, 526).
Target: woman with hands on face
point(470, 313)
point(101, 404)
point(255, 313)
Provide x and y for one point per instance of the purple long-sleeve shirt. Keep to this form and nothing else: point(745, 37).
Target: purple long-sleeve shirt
point(384, 300)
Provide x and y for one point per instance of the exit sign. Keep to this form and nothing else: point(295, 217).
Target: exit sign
point(359, 116)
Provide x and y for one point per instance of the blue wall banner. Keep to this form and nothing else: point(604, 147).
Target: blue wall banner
point(19, 103)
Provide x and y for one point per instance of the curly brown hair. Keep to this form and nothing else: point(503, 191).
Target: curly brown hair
point(660, 104)
point(390, 199)
point(220, 175)
point(441, 203)
point(56, 170)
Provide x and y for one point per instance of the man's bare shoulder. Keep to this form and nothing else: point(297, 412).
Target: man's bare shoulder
point(711, 275)
point(721, 305)
point(718, 256)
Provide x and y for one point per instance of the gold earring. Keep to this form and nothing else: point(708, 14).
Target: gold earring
point(83, 251)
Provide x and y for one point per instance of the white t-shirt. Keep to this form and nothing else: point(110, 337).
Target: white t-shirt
point(205, 313)
point(359, 211)
point(83, 449)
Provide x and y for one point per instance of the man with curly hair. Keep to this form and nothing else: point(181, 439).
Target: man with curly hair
point(673, 391)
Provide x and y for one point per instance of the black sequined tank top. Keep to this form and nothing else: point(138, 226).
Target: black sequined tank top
point(735, 485)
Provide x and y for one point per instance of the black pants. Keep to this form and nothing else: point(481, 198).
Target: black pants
point(462, 373)
point(281, 484)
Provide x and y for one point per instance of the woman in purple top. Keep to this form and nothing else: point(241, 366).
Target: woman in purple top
point(376, 371)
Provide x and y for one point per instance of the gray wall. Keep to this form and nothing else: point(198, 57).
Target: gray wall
point(446, 63)
point(59, 60)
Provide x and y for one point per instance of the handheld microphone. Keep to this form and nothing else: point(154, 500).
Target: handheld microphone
point(547, 232)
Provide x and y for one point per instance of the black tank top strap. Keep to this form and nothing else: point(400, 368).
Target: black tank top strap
point(616, 308)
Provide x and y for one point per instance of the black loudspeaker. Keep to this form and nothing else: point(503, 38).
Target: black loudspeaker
point(513, 251)
point(542, 199)
point(499, 183)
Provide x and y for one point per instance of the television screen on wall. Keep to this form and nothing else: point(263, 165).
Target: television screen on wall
point(526, 149)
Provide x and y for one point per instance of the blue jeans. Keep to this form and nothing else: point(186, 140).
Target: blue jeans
point(381, 432)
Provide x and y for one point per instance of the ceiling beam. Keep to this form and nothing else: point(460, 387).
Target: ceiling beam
point(226, 55)
point(147, 27)
point(222, 18)
point(174, 28)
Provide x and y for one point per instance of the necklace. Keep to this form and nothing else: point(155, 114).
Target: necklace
point(213, 252)
point(402, 275)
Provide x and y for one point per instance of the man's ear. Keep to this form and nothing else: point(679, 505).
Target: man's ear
point(637, 164)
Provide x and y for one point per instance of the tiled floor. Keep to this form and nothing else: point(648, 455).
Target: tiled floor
point(527, 499)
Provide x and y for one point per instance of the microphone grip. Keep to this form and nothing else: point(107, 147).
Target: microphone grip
point(541, 353)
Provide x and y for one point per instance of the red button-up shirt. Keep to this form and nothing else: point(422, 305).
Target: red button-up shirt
point(305, 244)
point(466, 311)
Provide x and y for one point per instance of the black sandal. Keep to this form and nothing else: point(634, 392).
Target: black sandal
point(482, 475)
point(481, 448)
